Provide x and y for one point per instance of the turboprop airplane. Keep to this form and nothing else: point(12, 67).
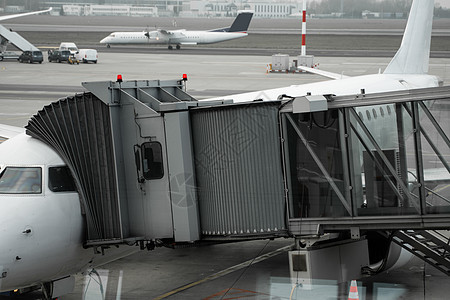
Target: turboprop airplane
point(183, 37)
point(42, 227)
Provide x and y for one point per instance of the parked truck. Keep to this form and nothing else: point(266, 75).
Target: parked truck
point(87, 55)
point(68, 46)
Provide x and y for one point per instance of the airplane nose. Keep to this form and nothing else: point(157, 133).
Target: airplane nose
point(12, 235)
point(103, 41)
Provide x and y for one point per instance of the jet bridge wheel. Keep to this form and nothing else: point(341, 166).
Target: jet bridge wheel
point(170, 47)
point(178, 47)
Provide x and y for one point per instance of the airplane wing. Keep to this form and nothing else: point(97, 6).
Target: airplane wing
point(437, 175)
point(7, 132)
point(322, 73)
point(433, 176)
point(24, 14)
point(163, 31)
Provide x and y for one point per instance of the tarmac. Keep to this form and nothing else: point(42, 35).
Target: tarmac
point(325, 37)
point(224, 271)
point(246, 270)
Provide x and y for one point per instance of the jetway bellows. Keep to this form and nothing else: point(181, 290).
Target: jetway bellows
point(78, 128)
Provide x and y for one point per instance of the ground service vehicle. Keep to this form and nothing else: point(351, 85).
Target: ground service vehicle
point(58, 55)
point(68, 46)
point(9, 55)
point(73, 60)
point(87, 55)
point(31, 57)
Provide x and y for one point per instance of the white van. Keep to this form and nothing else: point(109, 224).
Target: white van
point(87, 55)
point(68, 46)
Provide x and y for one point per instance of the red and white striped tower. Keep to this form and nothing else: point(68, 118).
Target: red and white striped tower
point(304, 29)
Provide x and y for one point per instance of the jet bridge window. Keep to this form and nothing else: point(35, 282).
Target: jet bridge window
point(20, 180)
point(152, 160)
point(60, 179)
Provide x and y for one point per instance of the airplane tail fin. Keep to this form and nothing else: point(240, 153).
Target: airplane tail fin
point(414, 53)
point(241, 22)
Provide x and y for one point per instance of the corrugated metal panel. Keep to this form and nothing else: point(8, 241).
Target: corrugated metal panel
point(239, 170)
point(79, 129)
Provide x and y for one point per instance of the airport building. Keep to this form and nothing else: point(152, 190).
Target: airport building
point(265, 9)
point(109, 10)
point(198, 8)
point(262, 8)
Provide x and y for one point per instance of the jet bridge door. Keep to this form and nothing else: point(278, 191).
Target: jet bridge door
point(156, 127)
point(152, 178)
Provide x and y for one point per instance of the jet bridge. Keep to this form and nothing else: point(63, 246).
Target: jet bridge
point(153, 163)
point(368, 162)
point(150, 162)
point(14, 38)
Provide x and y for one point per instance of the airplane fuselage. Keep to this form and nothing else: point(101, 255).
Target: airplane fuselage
point(177, 37)
point(41, 221)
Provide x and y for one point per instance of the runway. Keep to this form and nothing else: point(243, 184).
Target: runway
point(325, 37)
point(34, 85)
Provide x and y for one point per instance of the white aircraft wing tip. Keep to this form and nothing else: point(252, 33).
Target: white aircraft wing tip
point(322, 73)
point(7, 131)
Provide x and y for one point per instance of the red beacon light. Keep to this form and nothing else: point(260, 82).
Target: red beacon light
point(119, 78)
point(184, 77)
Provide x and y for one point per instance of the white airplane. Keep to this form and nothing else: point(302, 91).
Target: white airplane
point(41, 223)
point(407, 70)
point(183, 37)
point(7, 17)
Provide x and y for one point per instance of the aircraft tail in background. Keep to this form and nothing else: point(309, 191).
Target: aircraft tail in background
point(413, 55)
point(240, 24)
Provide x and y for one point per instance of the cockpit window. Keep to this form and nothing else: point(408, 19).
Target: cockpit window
point(60, 179)
point(20, 180)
